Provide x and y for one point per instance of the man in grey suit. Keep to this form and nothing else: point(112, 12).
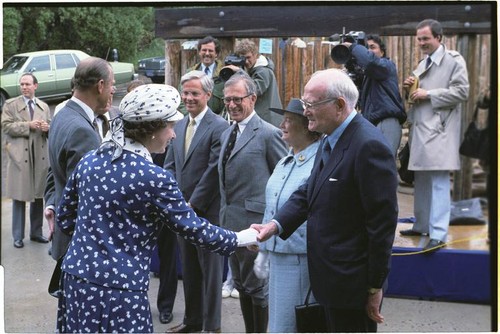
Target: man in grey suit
point(192, 157)
point(72, 134)
point(245, 165)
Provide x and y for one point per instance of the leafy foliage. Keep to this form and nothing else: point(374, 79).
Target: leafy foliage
point(94, 30)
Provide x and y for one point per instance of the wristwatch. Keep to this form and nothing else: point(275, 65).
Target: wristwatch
point(373, 291)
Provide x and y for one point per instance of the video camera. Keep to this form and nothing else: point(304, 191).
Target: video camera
point(231, 59)
point(342, 55)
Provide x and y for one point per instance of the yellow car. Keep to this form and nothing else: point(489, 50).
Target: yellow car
point(54, 70)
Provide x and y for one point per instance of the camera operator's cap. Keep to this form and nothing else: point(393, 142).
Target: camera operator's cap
point(294, 106)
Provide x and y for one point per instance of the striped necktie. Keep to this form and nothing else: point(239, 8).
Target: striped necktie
point(32, 110)
point(189, 135)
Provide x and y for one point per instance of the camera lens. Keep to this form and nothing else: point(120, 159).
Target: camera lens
point(226, 73)
point(340, 54)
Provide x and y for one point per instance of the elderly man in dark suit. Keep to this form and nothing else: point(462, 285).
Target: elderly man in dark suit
point(72, 134)
point(350, 203)
point(251, 148)
point(192, 157)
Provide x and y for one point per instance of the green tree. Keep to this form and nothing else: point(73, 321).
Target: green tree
point(95, 30)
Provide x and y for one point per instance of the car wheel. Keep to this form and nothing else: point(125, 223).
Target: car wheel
point(158, 80)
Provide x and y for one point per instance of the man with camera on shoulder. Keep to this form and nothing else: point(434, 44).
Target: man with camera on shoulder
point(261, 70)
point(380, 99)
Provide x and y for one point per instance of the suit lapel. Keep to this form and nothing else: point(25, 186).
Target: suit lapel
point(181, 136)
point(246, 136)
point(200, 133)
point(326, 175)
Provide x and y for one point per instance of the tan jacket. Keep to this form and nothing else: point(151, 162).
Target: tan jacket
point(27, 150)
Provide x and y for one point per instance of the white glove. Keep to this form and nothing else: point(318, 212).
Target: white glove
point(261, 265)
point(247, 237)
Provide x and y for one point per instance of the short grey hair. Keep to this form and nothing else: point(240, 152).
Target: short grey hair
point(206, 82)
point(339, 84)
point(247, 80)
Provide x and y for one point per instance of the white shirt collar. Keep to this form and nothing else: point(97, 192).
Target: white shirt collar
point(242, 125)
point(86, 108)
point(199, 117)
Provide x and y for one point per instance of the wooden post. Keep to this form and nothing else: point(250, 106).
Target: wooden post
point(462, 179)
point(172, 62)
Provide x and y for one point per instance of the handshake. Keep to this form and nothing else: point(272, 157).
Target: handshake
point(247, 237)
point(256, 233)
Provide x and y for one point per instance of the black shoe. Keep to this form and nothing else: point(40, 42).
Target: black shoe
point(41, 239)
point(184, 329)
point(18, 243)
point(433, 246)
point(411, 233)
point(166, 318)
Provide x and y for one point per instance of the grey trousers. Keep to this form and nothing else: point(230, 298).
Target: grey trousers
point(19, 218)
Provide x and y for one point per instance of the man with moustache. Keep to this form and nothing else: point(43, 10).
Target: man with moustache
point(208, 50)
point(74, 132)
point(435, 123)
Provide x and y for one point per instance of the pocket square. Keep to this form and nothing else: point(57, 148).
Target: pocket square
point(332, 179)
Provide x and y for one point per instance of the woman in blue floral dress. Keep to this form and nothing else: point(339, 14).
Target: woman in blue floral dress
point(113, 206)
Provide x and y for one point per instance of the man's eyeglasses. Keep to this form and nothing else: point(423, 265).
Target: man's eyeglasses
point(236, 100)
point(310, 105)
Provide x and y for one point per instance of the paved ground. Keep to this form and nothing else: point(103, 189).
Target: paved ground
point(27, 307)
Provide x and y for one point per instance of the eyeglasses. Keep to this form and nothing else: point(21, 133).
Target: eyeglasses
point(236, 100)
point(310, 105)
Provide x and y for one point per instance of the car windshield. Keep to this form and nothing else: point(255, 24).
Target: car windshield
point(14, 64)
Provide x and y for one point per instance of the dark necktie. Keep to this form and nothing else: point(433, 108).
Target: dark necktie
point(207, 70)
point(325, 153)
point(96, 127)
point(32, 110)
point(428, 62)
point(105, 124)
point(227, 152)
point(230, 144)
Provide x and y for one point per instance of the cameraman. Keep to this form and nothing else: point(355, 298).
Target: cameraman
point(261, 70)
point(380, 99)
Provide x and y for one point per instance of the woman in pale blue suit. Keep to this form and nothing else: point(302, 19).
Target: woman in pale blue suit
point(288, 273)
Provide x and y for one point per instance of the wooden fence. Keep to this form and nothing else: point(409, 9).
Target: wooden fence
point(295, 65)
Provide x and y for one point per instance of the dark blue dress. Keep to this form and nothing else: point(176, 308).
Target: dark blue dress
point(115, 210)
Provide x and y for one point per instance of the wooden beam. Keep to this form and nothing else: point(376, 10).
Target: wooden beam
point(385, 18)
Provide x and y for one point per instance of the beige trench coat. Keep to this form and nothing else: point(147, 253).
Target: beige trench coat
point(26, 172)
point(435, 123)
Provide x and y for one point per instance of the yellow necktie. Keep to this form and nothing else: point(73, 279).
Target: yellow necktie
point(189, 135)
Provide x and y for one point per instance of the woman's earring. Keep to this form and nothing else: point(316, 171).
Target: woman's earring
point(153, 137)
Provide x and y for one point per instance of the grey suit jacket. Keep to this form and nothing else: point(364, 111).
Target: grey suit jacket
point(196, 172)
point(71, 135)
point(247, 170)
